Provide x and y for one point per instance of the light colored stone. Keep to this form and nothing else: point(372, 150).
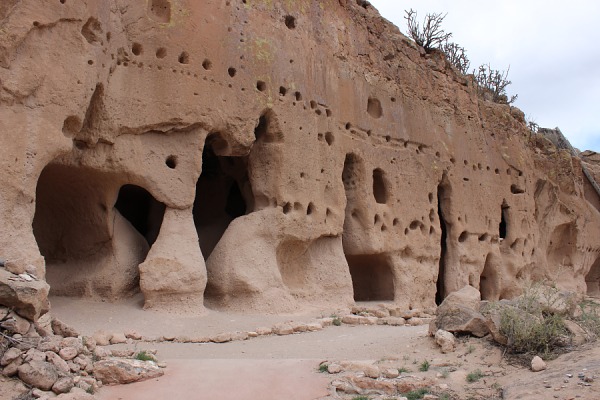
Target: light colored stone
point(15, 324)
point(262, 331)
point(390, 373)
point(445, 340)
point(458, 319)
point(39, 374)
point(102, 338)
point(283, 329)
point(415, 321)
point(578, 335)
point(371, 371)
point(60, 364)
point(468, 297)
point(9, 356)
point(63, 385)
point(222, 338)
point(68, 353)
point(537, 364)
point(314, 326)
point(120, 371)
point(118, 338)
point(34, 355)
point(334, 368)
point(62, 329)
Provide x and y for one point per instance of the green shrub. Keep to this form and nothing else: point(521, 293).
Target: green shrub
point(416, 394)
point(590, 318)
point(424, 366)
point(360, 398)
point(474, 376)
point(144, 356)
point(323, 367)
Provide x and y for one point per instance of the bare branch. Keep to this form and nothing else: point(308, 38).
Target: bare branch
point(431, 35)
point(457, 56)
point(492, 84)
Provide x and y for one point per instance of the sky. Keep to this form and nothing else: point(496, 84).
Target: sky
point(552, 48)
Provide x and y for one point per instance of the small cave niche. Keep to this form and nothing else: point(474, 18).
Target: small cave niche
point(372, 277)
point(223, 193)
point(267, 130)
point(380, 191)
point(592, 280)
point(160, 10)
point(93, 233)
point(503, 226)
point(374, 108)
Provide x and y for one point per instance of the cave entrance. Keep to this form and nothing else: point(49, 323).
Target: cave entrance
point(223, 193)
point(443, 198)
point(372, 277)
point(372, 274)
point(93, 236)
point(503, 227)
point(592, 280)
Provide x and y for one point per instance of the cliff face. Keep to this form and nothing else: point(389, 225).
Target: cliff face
point(265, 156)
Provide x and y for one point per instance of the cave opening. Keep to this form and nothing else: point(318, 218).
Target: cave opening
point(92, 233)
point(443, 198)
point(372, 277)
point(592, 280)
point(503, 227)
point(223, 193)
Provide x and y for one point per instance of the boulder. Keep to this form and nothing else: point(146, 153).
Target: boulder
point(118, 338)
point(467, 297)
point(120, 371)
point(102, 338)
point(62, 329)
point(68, 353)
point(578, 335)
point(39, 374)
point(58, 362)
point(283, 329)
point(445, 340)
point(492, 322)
point(15, 324)
point(537, 364)
point(63, 385)
point(460, 319)
point(28, 298)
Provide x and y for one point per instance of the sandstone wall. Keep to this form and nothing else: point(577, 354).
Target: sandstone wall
point(266, 156)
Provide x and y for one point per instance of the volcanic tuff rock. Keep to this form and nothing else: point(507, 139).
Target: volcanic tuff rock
point(265, 156)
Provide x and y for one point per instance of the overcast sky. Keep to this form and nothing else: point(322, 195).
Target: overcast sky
point(552, 47)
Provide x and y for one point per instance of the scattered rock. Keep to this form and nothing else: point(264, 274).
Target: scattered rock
point(119, 371)
point(371, 371)
point(415, 321)
point(102, 338)
point(262, 331)
point(537, 364)
point(60, 364)
point(459, 319)
point(283, 329)
point(445, 340)
point(15, 324)
point(68, 353)
point(132, 334)
point(12, 368)
point(468, 297)
point(9, 356)
point(118, 338)
point(63, 385)
point(222, 338)
point(62, 329)
point(390, 373)
point(334, 368)
point(578, 335)
point(39, 374)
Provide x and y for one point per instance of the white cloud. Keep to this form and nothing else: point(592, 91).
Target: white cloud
point(551, 47)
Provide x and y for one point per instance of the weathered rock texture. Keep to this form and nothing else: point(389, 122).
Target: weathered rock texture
point(259, 155)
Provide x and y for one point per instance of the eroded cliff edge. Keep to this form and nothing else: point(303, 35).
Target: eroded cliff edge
point(267, 156)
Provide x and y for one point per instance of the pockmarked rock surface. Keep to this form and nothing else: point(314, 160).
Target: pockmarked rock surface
point(313, 156)
point(119, 371)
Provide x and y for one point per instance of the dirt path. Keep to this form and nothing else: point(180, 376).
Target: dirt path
point(285, 367)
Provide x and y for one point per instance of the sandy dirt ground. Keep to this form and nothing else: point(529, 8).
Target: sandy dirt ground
point(286, 367)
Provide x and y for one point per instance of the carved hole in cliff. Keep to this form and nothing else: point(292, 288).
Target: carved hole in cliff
point(261, 86)
point(160, 10)
point(71, 126)
point(171, 162)
point(562, 246)
point(231, 71)
point(374, 107)
point(444, 192)
point(287, 208)
point(91, 242)
point(290, 22)
point(223, 193)
point(266, 129)
point(184, 58)
point(380, 191)
point(282, 91)
point(137, 49)
point(161, 52)
point(207, 64)
point(503, 227)
point(463, 236)
point(92, 31)
point(298, 96)
point(592, 280)
point(514, 189)
point(329, 138)
point(372, 277)
point(310, 209)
